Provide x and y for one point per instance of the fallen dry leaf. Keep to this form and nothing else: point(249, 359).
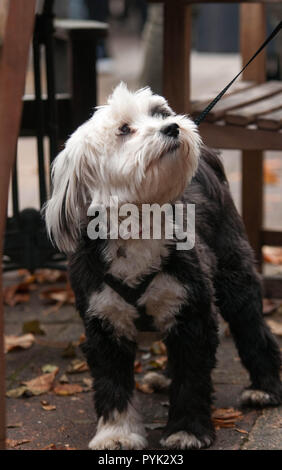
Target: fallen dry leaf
point(41, 384)
point(64, 379)
point(46, 406)
point(18, 293)
point(18, 342)
point(11, 443)
point(50, 275)
point(270, 306)
point(69, 351)
point(49, 368)
point(276, 327)
point(54, 447)
point(226, 417)
point(67, 389)
point(16, 392)
point(242, 431)
point(88, 384)
point(159, 362)
point(158, 347)
point(145, 388)
point(137, 367)
point(76, 366)
point(14, 425)
point(33, 327)
point(60, 295)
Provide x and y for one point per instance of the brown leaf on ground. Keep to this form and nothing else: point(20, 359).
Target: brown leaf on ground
point(158, 347)
point(270, 306)
point(16, 392)
point(145, 388)
point(276, 327)
point(272, 254)
point(159, 362)
point(226, 417)
point(46, 406)
point(64, 379)
point(50, 276)
point(69, 351)
point(11, 443)
point(54, 447)
point(67, 389)
point(18, 293)
point(88, 384)
point(47, 368)
point(137, 367)
point(76, 366)
point(60, 295)
point(81, 339)
point(242, 431)
point(14, 425)
point(18, 342)
point(41, 384)
point(33, 327)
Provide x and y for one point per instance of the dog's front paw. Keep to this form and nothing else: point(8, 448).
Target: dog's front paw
point(260, 398)
point(114, 441)
point(183, 440)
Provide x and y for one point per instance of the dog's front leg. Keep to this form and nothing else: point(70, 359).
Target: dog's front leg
point(191, 346)
point(111, 361)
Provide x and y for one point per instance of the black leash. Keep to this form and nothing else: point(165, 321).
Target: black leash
point(204, 113)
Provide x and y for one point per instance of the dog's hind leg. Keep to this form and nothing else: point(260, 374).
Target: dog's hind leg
point(111, 361)
point(239, 297)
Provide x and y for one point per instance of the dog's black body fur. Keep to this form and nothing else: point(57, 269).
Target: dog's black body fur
point(219, 274)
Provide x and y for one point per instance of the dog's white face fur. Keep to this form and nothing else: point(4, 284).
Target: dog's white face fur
point(121, 151)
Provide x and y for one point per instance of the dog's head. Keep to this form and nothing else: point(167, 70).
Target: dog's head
point(135, 147)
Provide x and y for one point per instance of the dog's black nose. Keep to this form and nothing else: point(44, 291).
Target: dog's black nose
point(172, 130)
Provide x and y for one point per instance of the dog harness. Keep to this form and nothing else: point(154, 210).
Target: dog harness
point(131, 295)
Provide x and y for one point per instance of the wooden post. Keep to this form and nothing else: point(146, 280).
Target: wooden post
point(13, 62)
point(252, 198)
point(252, 35)
point(176, 55)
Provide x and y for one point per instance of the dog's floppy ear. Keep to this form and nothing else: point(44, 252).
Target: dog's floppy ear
point(73, 181)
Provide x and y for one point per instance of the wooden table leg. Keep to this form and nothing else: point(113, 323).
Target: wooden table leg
point(13, 63)
point(176, 55)
point(252, 198)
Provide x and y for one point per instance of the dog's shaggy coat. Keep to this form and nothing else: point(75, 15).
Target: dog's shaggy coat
point(138, 149)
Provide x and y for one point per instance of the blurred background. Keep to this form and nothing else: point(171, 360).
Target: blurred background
point(132, 52)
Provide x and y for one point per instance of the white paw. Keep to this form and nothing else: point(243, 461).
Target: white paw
point(184, 440)
point(255, 397)
point(114, 441)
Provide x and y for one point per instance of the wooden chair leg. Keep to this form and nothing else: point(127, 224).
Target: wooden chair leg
point(13, 62)
point(176, 55)
point(252, 198)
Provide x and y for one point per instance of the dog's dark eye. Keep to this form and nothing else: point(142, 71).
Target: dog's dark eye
point(124, 129)
point(160, 112)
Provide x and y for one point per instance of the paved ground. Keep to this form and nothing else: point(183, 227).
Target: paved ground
point(72, 423)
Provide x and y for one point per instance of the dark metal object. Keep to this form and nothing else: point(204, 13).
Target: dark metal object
point(26, 243)
point(55, 116)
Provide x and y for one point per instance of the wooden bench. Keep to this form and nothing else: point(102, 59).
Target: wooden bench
point(249, 120)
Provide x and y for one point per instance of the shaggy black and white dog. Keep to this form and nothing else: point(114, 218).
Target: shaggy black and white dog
point(138, 149)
